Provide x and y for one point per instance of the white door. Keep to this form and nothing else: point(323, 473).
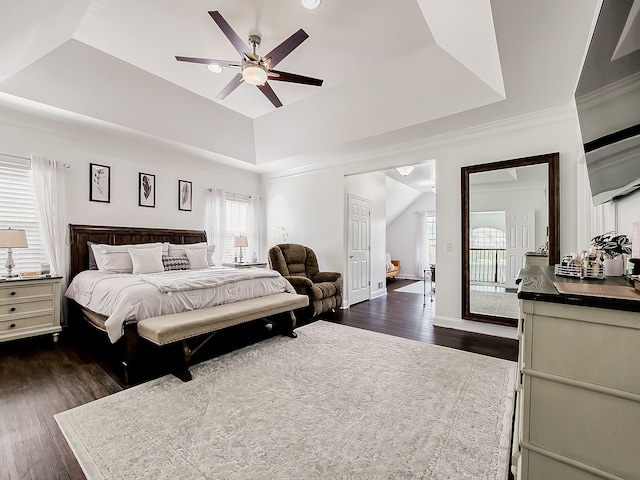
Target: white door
point(520, 240)
point(359, 275)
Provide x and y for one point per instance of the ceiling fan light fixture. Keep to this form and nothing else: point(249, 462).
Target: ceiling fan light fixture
point(311, 4)
point(215, 67)
point(404, 171)
point(254, 74)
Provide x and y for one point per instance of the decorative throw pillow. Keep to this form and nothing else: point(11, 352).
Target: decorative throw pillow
point(197, 258)
point(116, 258)
point(146, 260)
point(175, 263)
point(178, 250)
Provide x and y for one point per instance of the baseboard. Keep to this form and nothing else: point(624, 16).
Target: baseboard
point(378, 293)
point(476, 327)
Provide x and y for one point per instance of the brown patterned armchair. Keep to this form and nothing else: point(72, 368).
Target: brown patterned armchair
point(299, 265)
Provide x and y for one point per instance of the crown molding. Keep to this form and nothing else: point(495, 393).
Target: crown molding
point(628, 86)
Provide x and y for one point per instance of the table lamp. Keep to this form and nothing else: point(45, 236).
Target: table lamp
point(240, 241)
point(11, 239)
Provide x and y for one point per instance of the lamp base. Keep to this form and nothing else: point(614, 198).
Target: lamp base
point(10, 264)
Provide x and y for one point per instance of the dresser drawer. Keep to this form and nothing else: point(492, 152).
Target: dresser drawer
point(14, 325)
point(8, 292)
point(18, 308)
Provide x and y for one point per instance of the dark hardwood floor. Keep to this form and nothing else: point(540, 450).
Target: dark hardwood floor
point(39, 379)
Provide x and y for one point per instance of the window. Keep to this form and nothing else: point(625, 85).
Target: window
point(431, 236)
point(17, 210)
point(237, 211)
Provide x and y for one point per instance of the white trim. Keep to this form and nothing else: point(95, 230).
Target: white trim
point(476, 327)
point(609, 93)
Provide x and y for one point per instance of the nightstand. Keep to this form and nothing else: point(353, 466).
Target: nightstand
point(29, 307)
point(245, 265)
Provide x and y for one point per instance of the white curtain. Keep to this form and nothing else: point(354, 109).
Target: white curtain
point(49, 191)
point(215, 223)
point(254, 227)
point(422, 252)
point(49, 196)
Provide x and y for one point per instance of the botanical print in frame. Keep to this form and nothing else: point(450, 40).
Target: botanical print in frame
point(99, 183)
point(184, 195)
point(146, 190)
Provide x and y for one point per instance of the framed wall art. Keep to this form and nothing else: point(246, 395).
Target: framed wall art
point(99, 183)
point(146, 190)
point(184, 195)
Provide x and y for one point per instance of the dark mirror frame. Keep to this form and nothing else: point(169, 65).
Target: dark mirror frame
point(552, 160)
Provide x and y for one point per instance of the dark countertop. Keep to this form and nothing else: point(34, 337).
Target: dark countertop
point(536, 283)
point(536, 254)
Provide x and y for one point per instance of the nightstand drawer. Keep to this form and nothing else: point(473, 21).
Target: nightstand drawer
point(13, 325)
point(8, 291)
point(18, 308)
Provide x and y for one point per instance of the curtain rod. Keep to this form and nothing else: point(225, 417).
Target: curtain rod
point(65, 165)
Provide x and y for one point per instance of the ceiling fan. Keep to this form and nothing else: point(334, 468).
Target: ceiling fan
point(255, 69)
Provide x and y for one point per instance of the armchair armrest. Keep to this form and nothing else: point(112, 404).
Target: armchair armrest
point(396, 263)
point(299, 283)
point(326, 277)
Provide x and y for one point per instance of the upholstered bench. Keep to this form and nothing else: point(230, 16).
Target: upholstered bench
point(179, 327)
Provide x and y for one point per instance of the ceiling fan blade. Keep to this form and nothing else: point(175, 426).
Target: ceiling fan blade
point(233, 37)
point(270, 94)
point(276, 55)
point(231, 86)
point(293, 78)
point(209, 61)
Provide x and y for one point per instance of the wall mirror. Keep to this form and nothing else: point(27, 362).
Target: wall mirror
point(509, 208)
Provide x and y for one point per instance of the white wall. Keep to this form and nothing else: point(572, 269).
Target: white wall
point(313, 204)
point(401, 235)
point(126, 155)
point(628, 212)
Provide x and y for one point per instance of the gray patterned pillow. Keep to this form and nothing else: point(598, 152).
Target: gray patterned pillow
point(175, 263)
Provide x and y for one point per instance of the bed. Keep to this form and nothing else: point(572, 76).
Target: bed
point(118, 303)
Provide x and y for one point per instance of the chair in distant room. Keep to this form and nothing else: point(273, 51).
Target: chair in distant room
point(299, 265)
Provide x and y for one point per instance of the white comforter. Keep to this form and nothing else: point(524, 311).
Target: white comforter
point(122, 297)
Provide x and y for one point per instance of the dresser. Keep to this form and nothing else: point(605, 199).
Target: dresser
point(28, 307)
point(245, 265)
point(578, 394)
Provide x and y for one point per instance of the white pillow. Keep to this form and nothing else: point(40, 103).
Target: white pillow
point(116, 258)
point(197, 258)
point(176, 250)
point(147, 260)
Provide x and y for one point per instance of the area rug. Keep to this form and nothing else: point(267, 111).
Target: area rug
point(415, 287)
point(502, 304)
point(335, 403)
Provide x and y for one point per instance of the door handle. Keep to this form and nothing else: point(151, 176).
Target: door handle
point(350, 256)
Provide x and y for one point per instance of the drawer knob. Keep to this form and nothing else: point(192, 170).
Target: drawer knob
point(12, 325)
point(13, 309)
point(12, 293)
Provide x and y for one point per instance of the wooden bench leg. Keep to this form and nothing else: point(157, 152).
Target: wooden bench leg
point(130, 353)
point(291, 332)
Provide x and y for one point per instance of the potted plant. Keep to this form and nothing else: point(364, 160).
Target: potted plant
point(613, 247)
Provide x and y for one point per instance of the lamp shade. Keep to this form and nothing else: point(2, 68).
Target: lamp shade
point(10, 238)
point(240, 241)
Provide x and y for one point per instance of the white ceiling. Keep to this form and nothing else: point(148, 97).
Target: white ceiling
point(394, 71)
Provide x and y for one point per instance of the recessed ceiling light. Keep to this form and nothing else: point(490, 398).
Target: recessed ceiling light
point(311, 4)
point(215, 68)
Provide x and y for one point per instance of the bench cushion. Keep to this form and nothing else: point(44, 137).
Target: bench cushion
point(179, 326)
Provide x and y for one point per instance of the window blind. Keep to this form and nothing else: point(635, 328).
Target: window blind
point(17, 210)
point(237, 209)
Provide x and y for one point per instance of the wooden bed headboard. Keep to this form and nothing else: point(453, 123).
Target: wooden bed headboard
point(79, 235)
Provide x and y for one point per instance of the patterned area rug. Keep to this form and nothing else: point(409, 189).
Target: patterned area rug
point(337, 402)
